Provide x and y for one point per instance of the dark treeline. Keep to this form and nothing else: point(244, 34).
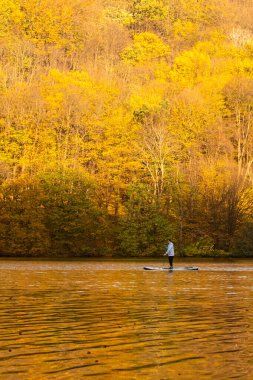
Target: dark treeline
point(123, 123)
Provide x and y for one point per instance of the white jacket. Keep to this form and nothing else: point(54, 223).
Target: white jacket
point(170, 249)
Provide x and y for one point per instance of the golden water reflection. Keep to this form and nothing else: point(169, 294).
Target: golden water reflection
point(74, 322)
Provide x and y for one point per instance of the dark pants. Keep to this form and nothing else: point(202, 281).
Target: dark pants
point(171, 260)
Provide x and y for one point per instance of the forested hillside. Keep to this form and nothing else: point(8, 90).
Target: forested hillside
point(123, 123)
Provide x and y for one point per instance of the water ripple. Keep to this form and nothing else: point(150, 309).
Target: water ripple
point(66, 323)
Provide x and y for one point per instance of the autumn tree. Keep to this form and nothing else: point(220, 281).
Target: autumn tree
point(146, 47)
point(122, 122)
point(23, 229)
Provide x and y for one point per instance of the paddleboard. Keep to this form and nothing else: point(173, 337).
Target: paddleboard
point(171, 270)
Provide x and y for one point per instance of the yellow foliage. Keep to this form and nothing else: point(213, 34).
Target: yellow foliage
point(119, 15)
point(246, 203)
point(127, 92)
point(184, 29)
point(216, 176)
point(149, 96)
point(51, 22)
point(162, 72)
point(154, 10)
point(3, 79)
point(11, 17)
point(146, 47)
point(243, 67)
point(191, 67)
point(202, 12)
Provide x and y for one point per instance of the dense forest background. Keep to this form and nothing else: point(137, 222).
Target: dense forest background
point(124, 123)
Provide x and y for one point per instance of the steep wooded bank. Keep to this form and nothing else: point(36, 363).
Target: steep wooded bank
point(123, 123)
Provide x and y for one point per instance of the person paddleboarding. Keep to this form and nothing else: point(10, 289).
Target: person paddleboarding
point(170, 253)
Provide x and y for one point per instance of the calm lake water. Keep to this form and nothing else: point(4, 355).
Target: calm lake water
point(113, 320)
